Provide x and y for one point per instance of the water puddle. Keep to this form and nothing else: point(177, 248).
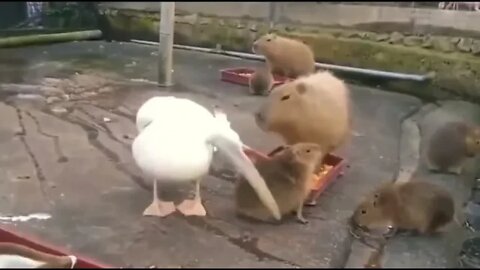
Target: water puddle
point(36, 216)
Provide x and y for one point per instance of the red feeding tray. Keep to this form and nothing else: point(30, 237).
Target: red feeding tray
point(31, 242)
point(242, 75)
point(333, 173)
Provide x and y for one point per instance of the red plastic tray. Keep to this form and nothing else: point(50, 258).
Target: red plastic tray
point(233, 75)
point(9, 235)
point(335, 172)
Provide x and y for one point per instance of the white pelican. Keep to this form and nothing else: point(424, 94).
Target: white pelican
point(18, 256)
point(176, 143)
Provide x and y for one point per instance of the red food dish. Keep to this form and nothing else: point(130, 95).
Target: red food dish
point(336, 164)
point(11, 236)
point(242, 75)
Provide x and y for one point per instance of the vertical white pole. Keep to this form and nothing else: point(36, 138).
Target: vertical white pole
point(165, 47)
point(272, 8)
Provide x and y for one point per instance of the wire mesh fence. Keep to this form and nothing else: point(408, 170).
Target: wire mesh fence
point(20, 16)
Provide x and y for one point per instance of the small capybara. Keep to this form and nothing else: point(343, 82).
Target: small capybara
point(450, 146)
point(285, 56)
point(414, 205)
point(314, 108)
point(261, 82)
point(288, 175)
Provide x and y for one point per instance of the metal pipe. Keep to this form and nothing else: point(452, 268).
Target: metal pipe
point(165, 44)
point(367, 72)
point(272, 14)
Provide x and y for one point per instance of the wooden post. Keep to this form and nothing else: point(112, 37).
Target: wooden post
point(165, 47)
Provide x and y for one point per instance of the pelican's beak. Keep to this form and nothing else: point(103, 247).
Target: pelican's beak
point(245, 166)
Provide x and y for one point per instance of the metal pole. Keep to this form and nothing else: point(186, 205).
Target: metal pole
point(165, 46)
point(271, 14)
point(362, 71)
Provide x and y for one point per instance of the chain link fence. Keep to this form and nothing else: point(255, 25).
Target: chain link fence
point(19, 17)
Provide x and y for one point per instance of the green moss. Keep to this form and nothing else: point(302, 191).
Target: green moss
point(456, 73)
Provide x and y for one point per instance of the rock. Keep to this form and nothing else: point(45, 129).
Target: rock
point(370, 36)
point(443, 44)
point(455, 40)
point(187, 19)
point(204, 21)
point(87, 94)
point(19, 132)
point(53, 99)
point(427, 42)
point(59, 110)
point(254, 28)
point(465, 45)
point(351, 34)
point(364, 35)
point(412, 41)
point(395, 38)
point(476, 47)
point(334, 33)
point(382, 37)
point(221, 22)
point(106, 89)
point(240, 26)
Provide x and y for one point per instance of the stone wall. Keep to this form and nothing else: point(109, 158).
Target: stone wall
point(377, 18)
point(453, 59)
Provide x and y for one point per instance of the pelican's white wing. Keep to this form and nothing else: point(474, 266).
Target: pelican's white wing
point(171, 107)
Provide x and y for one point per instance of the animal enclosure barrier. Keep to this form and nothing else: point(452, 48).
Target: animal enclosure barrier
point(25, 18)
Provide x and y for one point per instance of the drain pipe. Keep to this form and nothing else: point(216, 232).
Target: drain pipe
point(367, 72)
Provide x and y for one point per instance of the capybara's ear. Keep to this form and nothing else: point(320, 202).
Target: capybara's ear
point(301, 88)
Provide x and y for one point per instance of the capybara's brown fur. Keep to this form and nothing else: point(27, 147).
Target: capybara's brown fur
point(288, 175)
point(261, 82)
point(285, 56)
point(415, 205)
point(450, 145)
point(314, 108)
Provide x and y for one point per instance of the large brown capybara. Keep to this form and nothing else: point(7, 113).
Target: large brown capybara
point(314, 108)
point(285, 56)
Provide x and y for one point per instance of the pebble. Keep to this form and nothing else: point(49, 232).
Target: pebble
point(51, 100)
point(58, 110)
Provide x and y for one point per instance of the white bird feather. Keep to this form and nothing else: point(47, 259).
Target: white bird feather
point(176, 142)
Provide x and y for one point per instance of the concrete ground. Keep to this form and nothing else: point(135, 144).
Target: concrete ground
point(67, 154)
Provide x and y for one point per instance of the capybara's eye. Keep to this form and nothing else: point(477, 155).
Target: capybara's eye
point(269, 39)
point(364, 212)
point(376, 196)
point(477, 142)
point(286, 97)
point(308, 151)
